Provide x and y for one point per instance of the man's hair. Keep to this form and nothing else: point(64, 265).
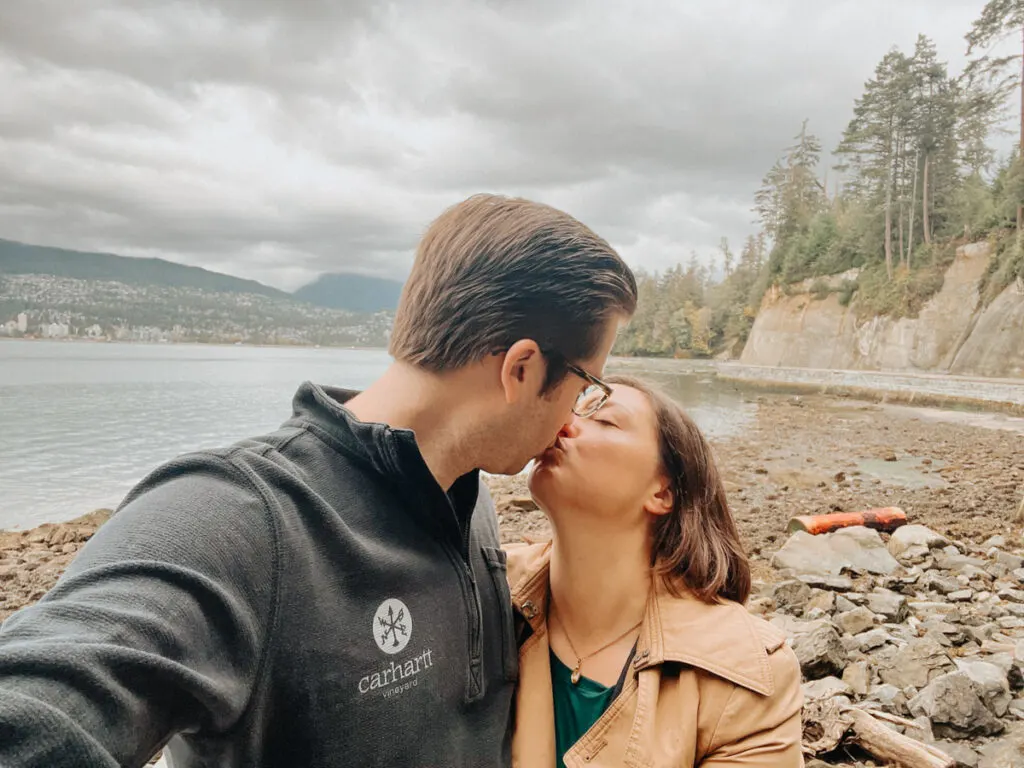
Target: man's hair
point(697, 544)
point(492, 270)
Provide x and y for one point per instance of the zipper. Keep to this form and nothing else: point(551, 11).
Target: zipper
point(471, 601)
point(460, 561)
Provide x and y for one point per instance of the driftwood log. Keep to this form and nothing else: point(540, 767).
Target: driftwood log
point(892, 747)
point(830, 723)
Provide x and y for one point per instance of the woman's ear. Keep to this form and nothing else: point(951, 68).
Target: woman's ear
point(661, 499)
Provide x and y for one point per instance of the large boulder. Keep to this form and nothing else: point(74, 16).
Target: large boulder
point(907, 536)
point(820, 651)
point(917, 664)
point(888, 604)
point(990, 683)
point(952, 705)
point(856, 549)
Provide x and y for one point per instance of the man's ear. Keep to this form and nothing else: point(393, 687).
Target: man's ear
point(660, 500)
point(522, 370)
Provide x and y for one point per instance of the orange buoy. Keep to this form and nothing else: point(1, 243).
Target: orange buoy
point(882, 519)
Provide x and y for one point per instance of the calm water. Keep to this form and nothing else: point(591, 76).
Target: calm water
point(81, 423)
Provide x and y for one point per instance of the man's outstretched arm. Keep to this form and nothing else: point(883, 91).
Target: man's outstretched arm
point(158, 626)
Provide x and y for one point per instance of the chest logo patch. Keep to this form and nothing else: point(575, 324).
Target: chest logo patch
point(392, 626)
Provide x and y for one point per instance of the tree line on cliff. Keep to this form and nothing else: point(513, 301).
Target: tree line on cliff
point(914, 176)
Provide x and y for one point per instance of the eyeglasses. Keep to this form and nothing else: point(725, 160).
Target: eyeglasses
point(593, 396)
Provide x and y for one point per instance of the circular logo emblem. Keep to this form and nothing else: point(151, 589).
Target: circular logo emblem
point(392, 626)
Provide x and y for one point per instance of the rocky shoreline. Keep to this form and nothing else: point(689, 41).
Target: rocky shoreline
point(925, 627)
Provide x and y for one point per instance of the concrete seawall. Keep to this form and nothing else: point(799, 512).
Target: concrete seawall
point(1004, 395)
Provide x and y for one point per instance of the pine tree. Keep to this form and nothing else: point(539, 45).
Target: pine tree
point(999, 20)
point(874, 145)
point(791, 194)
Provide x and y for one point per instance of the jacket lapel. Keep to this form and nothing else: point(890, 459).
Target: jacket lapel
point(720, 638)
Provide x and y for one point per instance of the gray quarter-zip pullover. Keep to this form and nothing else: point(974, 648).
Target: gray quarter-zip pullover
point(307, 598)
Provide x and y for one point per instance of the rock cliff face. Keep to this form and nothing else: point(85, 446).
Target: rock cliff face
point(952, 334)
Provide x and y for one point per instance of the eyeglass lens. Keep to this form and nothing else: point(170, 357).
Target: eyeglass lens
point(589, 401)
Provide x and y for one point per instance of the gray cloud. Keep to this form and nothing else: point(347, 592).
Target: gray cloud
point(278, 140)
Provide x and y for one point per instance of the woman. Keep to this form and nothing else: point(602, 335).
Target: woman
point(635, 648)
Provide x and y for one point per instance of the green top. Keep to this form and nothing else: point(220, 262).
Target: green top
point(577, 707)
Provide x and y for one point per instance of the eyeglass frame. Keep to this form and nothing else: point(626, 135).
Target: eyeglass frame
point(592, 380)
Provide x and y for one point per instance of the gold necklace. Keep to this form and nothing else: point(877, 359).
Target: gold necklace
point(576, 671)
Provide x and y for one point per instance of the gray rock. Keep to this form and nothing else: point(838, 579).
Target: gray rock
point(858, 549)
point(888, 604)
point(961, 596)
point(791, 594)
point(890, 698)
point(924, 608)
point(822, 581)
point(1012, 595)
point(907, 536)
point(1007, 752)
point(858, 677)
point(851, 644)
point(959, 563)
point(963, 754)
point(917, 664)
point(821, 600)
point(821, 652)
point(1019, 575)
point(994, 541)
point(875, 638)
point(953, 634)
point(939, 638)
point(990, 683)
point(855, 622)
point(1017, 708)
point(1014, 608)
point(905, 585)
point(974, 573)
point(1008, 561)
point(826, 688)
point(935, 582)
point(953, 706)
point(844, 605)
point(914, 554)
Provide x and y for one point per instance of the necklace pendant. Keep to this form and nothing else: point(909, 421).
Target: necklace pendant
point(576, 675)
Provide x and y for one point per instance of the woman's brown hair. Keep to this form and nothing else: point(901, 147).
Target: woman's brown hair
point(697, 543)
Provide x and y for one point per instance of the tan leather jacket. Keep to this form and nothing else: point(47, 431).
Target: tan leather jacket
point(712, 685)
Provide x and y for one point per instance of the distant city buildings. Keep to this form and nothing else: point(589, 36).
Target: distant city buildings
point(48, 307)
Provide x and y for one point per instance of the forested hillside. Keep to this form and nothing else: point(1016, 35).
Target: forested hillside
point(913, 176)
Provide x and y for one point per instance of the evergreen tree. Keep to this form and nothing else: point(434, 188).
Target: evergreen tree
point(999, 20)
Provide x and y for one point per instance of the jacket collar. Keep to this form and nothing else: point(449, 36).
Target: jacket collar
point(391, 453)
point(720, 638)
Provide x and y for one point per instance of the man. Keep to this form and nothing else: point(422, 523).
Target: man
point(333, 594)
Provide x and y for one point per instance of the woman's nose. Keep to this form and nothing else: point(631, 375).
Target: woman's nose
point(571, 428)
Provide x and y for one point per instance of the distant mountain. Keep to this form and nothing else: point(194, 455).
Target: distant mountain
point(21, 259)
point(355, 293)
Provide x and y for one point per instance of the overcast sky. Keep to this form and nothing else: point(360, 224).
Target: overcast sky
point(279, 139)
